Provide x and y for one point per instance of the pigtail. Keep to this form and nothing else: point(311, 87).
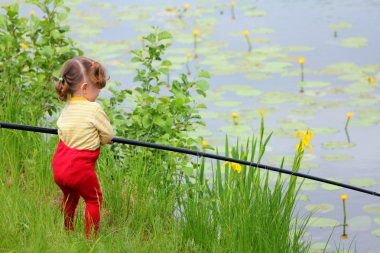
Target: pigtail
point(97, 75)
point(62, 89)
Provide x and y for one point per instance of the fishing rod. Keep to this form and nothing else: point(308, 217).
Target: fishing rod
point(198, 154)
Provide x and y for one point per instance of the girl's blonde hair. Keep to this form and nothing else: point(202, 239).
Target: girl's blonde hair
point(76, 71)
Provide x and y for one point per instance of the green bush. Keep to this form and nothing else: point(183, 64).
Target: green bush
point(32, 51)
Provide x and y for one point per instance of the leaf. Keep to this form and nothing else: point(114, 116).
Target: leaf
point(3, 21)
point(202, 85)
point(359, 223)
point(204, 74)
point(151, 38)
point(203, 106)
point(322, 222)
point(372, 208)
point(164, 36)
point(363, 182)
point(324, 208)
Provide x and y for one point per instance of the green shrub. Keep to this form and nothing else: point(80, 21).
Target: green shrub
point(32, 51)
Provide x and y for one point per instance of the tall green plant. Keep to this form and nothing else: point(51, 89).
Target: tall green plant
point(32, 50)
point(165, 111)
point(240, 209)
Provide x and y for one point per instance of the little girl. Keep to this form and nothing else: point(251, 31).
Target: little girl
point(82, 128)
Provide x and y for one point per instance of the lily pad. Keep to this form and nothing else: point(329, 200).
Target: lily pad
point(309, 185)
point(293, 124)
point(319, 247)
point(201, 131)
point(337, 145)
point(248, 93)
point(263, 30)
point(376, 232)
point(236, 130)
point(309, 165)
point(228, 103)
point(257, 76)
point(322, 222)
point(324, 130)
point(372, 208)
point(274, 67)
point(337, 26)
point(255, 13)
point(303, 197)
point(304, 112)
point(313, 84)
point(359, 224)
point(339, 68)
point(323, 208)
point(209, 115)
point(355, 42)
point(363, 182)
point(331, 187)
point(277, 97)
point(377, 220)
point(337, 157)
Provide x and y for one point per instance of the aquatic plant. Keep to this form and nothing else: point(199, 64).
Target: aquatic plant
point(195, 34)
point(348, 116)
point(246, 35)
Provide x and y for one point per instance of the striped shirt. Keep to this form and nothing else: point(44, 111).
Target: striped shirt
point(84, 125)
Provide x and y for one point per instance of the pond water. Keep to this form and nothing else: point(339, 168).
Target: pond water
point(339, 41)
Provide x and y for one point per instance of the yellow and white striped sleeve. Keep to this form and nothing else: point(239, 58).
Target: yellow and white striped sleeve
point(103, 125)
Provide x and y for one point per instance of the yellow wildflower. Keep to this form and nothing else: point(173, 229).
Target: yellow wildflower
point(187, 6)
point(23, 45)
point(372, 80)
point(235, 115)
point(32, 13)
point(261, 113)
point(344, 196)
point(235, 166)
point(301, 61)
point(188, 56)
point(349, 115)
point(246, 33)
point(204, 143)
point(305, 140)
point(233, 3)
point(195, 32)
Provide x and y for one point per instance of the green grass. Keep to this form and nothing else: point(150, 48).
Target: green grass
point(149, 205)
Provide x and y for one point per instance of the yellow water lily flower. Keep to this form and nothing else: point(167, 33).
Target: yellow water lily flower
point(344, 236)
point(195, 32)
point(32, 13)
point(204, 143)
point(235, 115)
point(188, 56)
point(233, 3)
point(246, 33)
point(349, 115)
point(344, 196)
point(23, 45)
point(187, 6)
point(235, 166)
point(301, 61)
point(261, 113)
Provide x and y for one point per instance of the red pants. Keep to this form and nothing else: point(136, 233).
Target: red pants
point(74, 173)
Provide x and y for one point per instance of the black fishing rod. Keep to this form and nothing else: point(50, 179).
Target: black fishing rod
point(198, 154)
